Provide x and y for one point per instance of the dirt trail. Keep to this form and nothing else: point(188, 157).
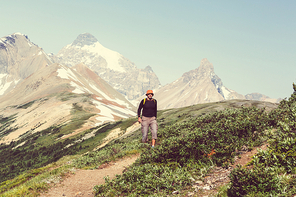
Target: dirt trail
point(219, 176)
point(82, 182)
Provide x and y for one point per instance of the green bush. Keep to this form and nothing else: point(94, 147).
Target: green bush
point(145, 180)
point(199, 142)
point(274, 169)
point(258, 179)
point(222, 132)
point(108, 153)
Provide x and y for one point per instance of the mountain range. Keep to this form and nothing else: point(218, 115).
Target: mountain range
point(85, 85)
point(200, 85)
point(58, 118)
point(118, 71)
point(38, 94)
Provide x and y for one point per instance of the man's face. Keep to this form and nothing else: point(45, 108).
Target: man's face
point(149, 96)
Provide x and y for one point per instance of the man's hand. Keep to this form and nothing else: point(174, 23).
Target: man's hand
point(139, 120)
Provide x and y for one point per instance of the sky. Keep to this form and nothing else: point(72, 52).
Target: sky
point(251, 43)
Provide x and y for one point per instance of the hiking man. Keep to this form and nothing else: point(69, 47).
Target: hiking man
point(149, 115)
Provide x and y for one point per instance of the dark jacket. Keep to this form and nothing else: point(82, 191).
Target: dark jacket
point(149, 108)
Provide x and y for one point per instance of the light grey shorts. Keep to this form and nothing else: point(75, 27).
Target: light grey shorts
point(146, 123)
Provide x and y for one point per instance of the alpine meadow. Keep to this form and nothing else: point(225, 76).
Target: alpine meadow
point(192, 141)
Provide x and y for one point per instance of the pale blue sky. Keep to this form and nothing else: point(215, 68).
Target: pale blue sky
point(251, 43)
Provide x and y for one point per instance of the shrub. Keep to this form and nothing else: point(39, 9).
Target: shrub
point(198, 142)
point(270, 175)
point(258, 179)
point(145, 180)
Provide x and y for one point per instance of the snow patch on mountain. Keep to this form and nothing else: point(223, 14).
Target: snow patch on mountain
point(66, 73)
point(226, 92)
point(111, 57)
point(18, 33)
point(5, 85)
point(2, 40)
point(2, 76)
point(29, 43)
point(120, 102)
point(206, 96)
point(107, 114)
point(79, 89)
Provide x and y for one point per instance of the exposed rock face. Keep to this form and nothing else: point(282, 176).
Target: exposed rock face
point(19, 58)
point(118, 71)
point(201, 85)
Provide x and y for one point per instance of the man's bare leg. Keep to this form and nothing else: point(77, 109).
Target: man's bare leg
point(153, 143)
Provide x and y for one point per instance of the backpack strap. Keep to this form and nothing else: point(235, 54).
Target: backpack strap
point(145, 101)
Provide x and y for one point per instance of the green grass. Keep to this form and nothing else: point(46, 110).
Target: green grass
point(79, 117)
point(26, 105)
point(32, 182)
point(166, 153)
point(272, 171)
point(65, 96)
point(5, 123)
point(127, 123)
point(186, 136)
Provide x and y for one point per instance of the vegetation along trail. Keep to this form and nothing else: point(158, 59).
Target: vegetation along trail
point(81, 183)
point(202, 150)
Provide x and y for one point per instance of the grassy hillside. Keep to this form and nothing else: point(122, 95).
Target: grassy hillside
point(188, 149)
point(193, 143)
point(191, 140)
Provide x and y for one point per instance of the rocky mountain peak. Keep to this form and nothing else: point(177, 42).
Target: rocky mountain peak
point(148, 69)
point(205, 67)
point(85, 39)
point(19, 58)
point(111, 66)
point(7, 40)
point(10, 40)
point(200, 85)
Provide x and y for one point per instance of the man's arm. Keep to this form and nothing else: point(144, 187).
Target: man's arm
point(139, 111)
point(155, 109)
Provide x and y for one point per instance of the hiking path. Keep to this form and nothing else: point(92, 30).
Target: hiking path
point(82, 182)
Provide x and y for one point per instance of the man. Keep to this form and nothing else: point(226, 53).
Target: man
point(149, 115)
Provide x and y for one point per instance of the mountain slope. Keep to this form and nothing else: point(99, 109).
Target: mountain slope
point(118, 71)
point(201, 85)
point(36, 94)
point(19, 58)
point(53, 94)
